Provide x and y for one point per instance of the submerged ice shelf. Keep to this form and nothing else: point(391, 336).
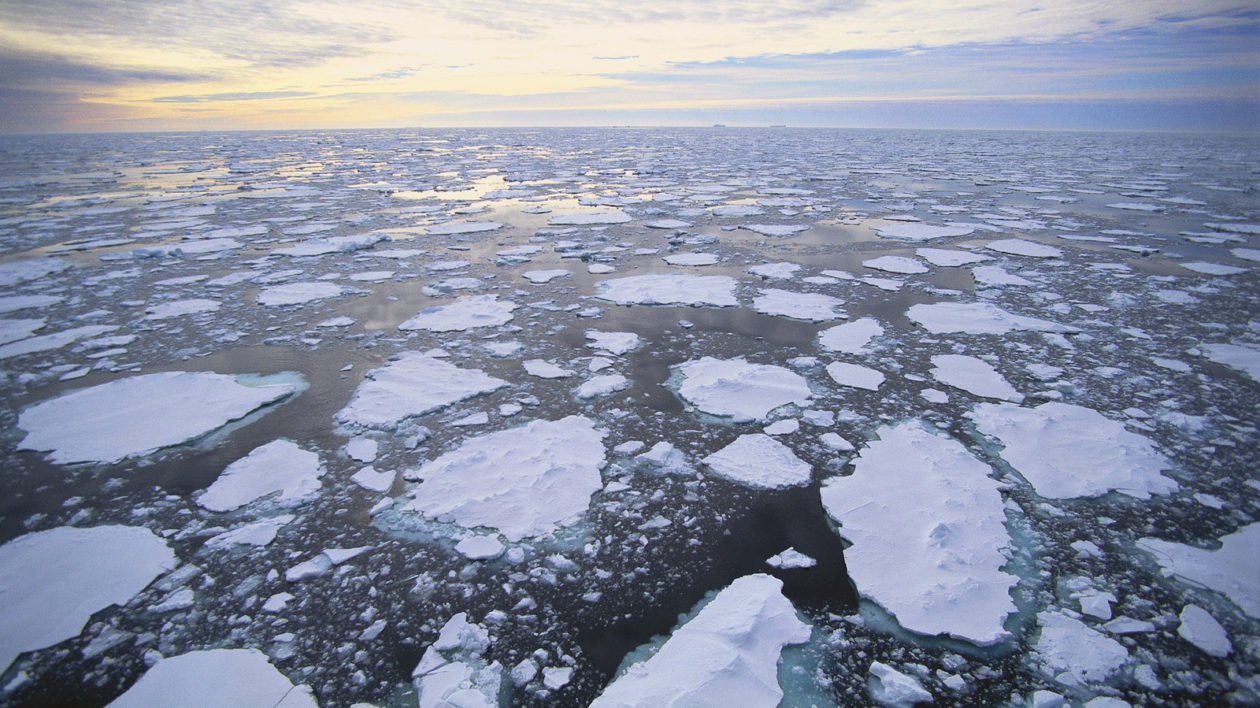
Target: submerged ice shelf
point(557, 416)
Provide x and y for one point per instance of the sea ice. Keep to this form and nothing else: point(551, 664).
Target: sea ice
point(462, 227)
point(997, 276)
point(1020, 247)
point(975, 376)
point(667, 224)
point(480, 547)
point(602, 385)
point(545, 369)
point(280, 467)
point(776, 230)
point(1073, 654)
point(1067, 451)
point(892, 688)
point(758, 460)
point(138, 415)
point(728, 654)
point(216, 678)
point(923, 499)
point(412, 384)
point(254, 533)
point(855, 375)
point(950, 258)
point(851, 337)
point(916, 231)
point(616, 343)
point(976, 318)
point(334, 244)
point(775, 271)
point(523, 482)
point(1202, 630)
point(813, 307)
point(590, 218)
point(1244, 359)
point(13, 330)
point(373, 480)
point(737, 389)
point(545, 276)
point(55, 580)
point(463, 314)
point(15, 272)
point(56, 340)
point(790, 559)
point(896, 264)
point(176, 308)
point(297, 293)
point(669, 289)
point(1213, 268)
point(691, 259)
point(13, 303)
point(1232, 570)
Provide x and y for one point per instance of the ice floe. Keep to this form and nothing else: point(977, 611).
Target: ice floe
point(1020, 247)
point(465, 313)
point(974, 376)
point(915, 231)
point(1074, 654)
point(462, 227)
point(1202, 630)
point(523, 482)
point(738, 389)
point(728, 654)
point(138, 415)
point(852, 337)
point(590, 218)
point(298, 293)
point(890, 687)
point(1232, 570)
point(669, 289)
point(280, 467)
point(758, 460)
point(217, 678)
point(411, 385)
point(813, 307)
point(950, 258)
point(976, 318)
point(855, 375)
point(55, 580)
point(896, 264)
point(175, 308)
point(923, 499)
point(1245, 359)
point(776, 230)
point(1067, 451)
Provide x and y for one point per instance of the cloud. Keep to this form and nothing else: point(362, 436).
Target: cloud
point(237, 96)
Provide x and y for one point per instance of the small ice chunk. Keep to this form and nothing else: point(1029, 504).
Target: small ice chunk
point(545, 369)
point(372, 480)
point(175, 308)
point(786, 426)
point(776, 230)
point(590, 218)
point(850, 337)
point(737, 389)
point(1213, 268)
point(890, 687)
point(361, 448)
point(666, 458)
point(279, 467)
point(138, 415)
point(835, 442)
point(463, 314)
point(1074, 654)
point(669, 289)
point(950, 258)
point(789, 559)
point(1202, 630)
point(667, 224)
point(218, 678)
point(812, 307)
point(545, 276)
point(775, 271)
point(277, 602)
point(975, 376)
point(1230, 570)
point(480, 547)
point(997, 276)
point(691, 259)
point(298, 293)
point(855, 375)
point(557, 677)
point(896, 264)
point(758, 460)
point(480, 418)
point(728, 654)
point(602, 385)
point(917, 231)
point(411, 385)
point(616, 343)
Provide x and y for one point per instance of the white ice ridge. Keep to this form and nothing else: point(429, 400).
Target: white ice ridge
point(975, 376)
point(915, 231)
point(465, 313)
point(737, 389)
point(1245, 359)
point(522, 482)
point(924, 500)
point(1232, 570)
point(280, 467)
point(138, 415)
point(851, 337)
point(216, 678)
point(758, 460)
point(976, 318)
point(52, 582)
point(1067, 451)
point(412, 384)
point(727, 655)
point(297, 293)
point(813, 307)
point(589, 218)
point(669, 289)
point(1073, 654)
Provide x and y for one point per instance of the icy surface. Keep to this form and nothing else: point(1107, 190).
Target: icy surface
point(1245, 359)
point(1067, 451)
point(1232, 570)
point(922, 498)
point(280, 467)
point(976, 318)
point(949, 257)
point(758, 460)
point(814, 307)
point(297, 293)
point(896, 264)
point(465, 313)
point(1020, 247)
point(728, 654)
point(1073, 654)
point(1202, 630)
point(921, 232)
point(590, 218)
point(219, 678)
point(138, 415)
point(669, 289)
point(523, 482)
point(54, 581)
point(894, 688)
point(855, 375)
point(412, 385)
point(738, 389)
point(974, 376)
point(851, 337)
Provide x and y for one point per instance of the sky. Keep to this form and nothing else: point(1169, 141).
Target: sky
point(149, 65)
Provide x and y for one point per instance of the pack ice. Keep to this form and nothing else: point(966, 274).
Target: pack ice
point(216, 678)
point(139, 415)
point(464, 313)
point(413, 384)
point(669, 289)
point(728, 654)
point(923, 499)
point(280, 467)
point(55, 580)
point(738, 389)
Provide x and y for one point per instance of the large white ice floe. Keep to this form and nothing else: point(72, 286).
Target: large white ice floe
point(465, 313)
point(738, 389)
point(56, 340)
point(776, 230)
point(334, 244)
point(590, 218)
point(462, 227)
point(13, 330)
point(921, 498)
point(758, 460)
point(947, 257)
point(139, 415)
point(216, 678)
point(1020, 247)
point(15, 272)
point(916, 231)
point(523, 482)
point(1232, 570)
point(850, 337)
point(1245, 359)
point(896, 264)
point(813, 307)
point(52, 582)
point(280, 467)
point(1067, 451)
point(298, 293)
point(669, 289)
point(973, 375)
point(1201, 629)
point(855, 375)
point(175, 308)
point(728, 654)
point(976, 318)
point(412, 384)
point(1073, 654)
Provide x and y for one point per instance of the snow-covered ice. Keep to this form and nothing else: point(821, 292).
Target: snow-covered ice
point(950, 258)
point(738, 389)
point(855, 375)
point(1245, 359)
point(218, 678)
point(758, 460)
point(1020, 247)
point(1074, 654)
point(923, 499)
point(1202, 630)
point(590, 218)
point(465, 313)
point(976, 318)
point(298, 293)
point(975, 376)
point(669, 289)
point(814, 307)
point(851, 337)
point(896, 264)
point(280, 467)
point(1232, 570)
point(890, 687)
point(411, 385)
point(915, 231)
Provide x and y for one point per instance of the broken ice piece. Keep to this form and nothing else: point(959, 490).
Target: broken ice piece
point(791, 558)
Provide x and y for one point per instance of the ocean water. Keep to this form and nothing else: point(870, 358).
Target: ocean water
point(123, 256)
